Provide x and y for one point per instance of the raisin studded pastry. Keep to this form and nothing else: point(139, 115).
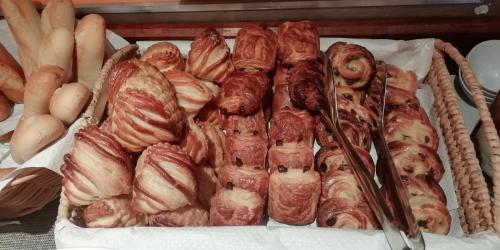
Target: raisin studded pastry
point(331, 158)
point(353, 65)
point(251, 178)
point(245, 125)
point(432, 215)
point(97, 167)
point(232, 206)
point(195, 143)
point(424, 186)
point(192, 94)
point(245, 150)
point(330, 214)
point(411, 130)
point(165, 56)
point(112, 212)
point(288, 155)
point(412, 160)
point(243, 92)
point(207, 184)
point(306, 85)
point(398, 78)
point(357, 132)
point(188, 216)
point(298, 41)
point(164, 180)
point(255, 47)
point(293, 196)
point(290, 125)
point(209, 57)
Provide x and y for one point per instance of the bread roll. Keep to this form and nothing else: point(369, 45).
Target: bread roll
point(58, 14)
point(11, 76)
point(24, 24)
point(90, 37)
point(32, 134)
point(5, 107)
point(68, 101)
point(57, 49)
point(39, 89)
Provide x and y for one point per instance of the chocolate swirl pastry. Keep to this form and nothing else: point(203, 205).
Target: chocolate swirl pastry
point(255, 47)
point(293, 196)
point(350, 94)
point(432, 215)
point(306, 85)
point(245, 125)
point(209, 57)
point(207, 185)
point(331, 158)
point(298, 41)
point(289, 125)
point(245, 150)
point(353, 65)
point(164, 180)
point(112, 212)
point(234, 206)
point(424, 186)
point(413, 160)
point(188, 216)
point(411, 130)
point(330, 214)
point(243, 92)
point(192, 94)
point(397, 78)
point(86, 168)
point(284, 156)
point(195, 143)
point(254, 179)
point(145, 113)
point(164, 56)
point(343, 188)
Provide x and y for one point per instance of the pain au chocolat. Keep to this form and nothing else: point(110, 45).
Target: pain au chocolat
point(255, 47)
point(233, 206)
point(298, 41)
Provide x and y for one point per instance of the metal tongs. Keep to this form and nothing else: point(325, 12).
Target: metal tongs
point(401, 231)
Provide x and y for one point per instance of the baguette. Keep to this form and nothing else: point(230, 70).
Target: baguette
point(11, 76)
point(24, 24)
point(32, 135)
point(5, 107)
point(90, 36)
point(58, 14)
point(68, 101)
point(40, 87)
point(57, 49)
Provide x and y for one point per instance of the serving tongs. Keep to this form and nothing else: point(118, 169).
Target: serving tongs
point(395, 231)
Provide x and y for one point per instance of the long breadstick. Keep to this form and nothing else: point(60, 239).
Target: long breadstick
point(57, 49)
point(58, 14)
point(24, 24)
point(40, 87)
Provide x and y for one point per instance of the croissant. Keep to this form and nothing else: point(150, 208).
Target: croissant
point(245, 150)
point(306, 85)
point(290, 125)
point(245, 125)
point(412, 160)
point(112, 212)
point(209, 57)
point(188, 216)
point(243, 92)
point(293, 196)
point(195, 143)
point(164, 180)
point(255, 47)
point(254, 179)
point(232, 206)
point(297, 41)
point(331, 159)
point(411, 130)
point(285, 156)
point(330, 214)
point(397, 78)
point(145, 113)
point(353, 65)
point(97, 167)
point(164, 56)
point(192, 94)
point(207, 185)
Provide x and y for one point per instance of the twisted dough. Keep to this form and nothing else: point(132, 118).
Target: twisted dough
point(353, 65)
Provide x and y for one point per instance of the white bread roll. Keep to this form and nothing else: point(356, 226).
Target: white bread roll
point(90, 37)
point(58, 14)
point(24, 24)
point(11, 76)
point(40, 87)
point(68, 101)
point(5, 107)
point(57, 49)
point(33, 134)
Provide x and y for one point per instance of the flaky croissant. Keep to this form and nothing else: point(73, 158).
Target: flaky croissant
point(234, 206)
point(97, 167)
point(164, 180)
point(298, 41)
point(165, 56)
point(112, 212)
point(209, 57)
point(255, 47)
point(353, 65)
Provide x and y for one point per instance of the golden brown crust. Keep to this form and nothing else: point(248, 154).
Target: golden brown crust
point(397, 78)
point(290, 156)
point(245, 125)
point(236, 207)
point(188, 216)
point(253, 179)
point(342, 188)
point(215, 141)
point(306, 85)
point(112, 212)
point(281, 98)
point(353, 65)
point(210, 114)
point(331, 214)
point(255, 47)
point(245, 150)
point(331, 158)
point(411, 130)
point(164, 180)
point(290, 125)
point(431, 215)
point(209, 57)
point(164, 56)
point(281, 75)
point(298, 41)
point(86, 168)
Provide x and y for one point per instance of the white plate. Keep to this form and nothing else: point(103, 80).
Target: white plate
point(484, 60)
